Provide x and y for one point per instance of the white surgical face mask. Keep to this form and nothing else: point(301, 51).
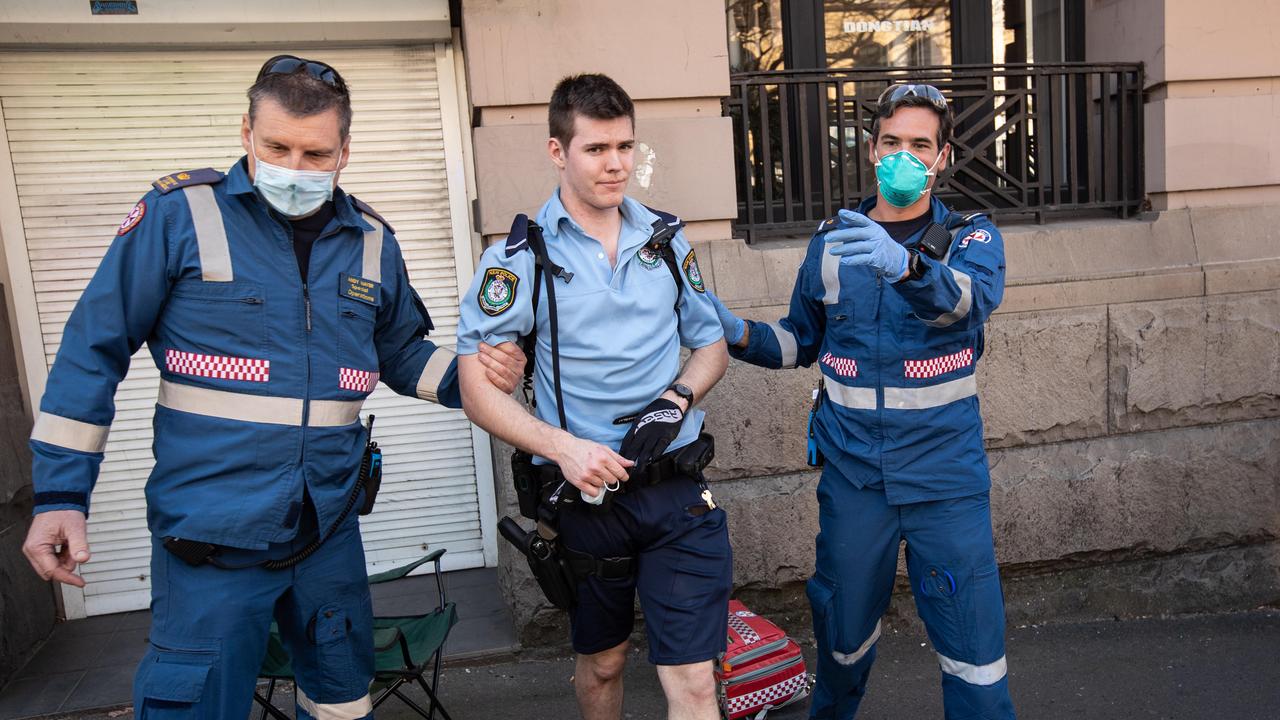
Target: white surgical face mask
point(294, 193)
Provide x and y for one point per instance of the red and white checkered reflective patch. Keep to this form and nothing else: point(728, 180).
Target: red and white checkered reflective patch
point(743, 630)
point(769, 695)
point(844, 367)
point(934, 367)
point(217, 366)
point(357, 380)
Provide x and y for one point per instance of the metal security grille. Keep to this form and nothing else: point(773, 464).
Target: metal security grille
point(1031, 139)
point(89, 131)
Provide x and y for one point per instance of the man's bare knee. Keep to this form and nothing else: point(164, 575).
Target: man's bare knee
point(693, 684)
point(605, 666)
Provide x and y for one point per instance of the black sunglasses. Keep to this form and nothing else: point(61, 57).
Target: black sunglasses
point(895, 93)
point(289, 64)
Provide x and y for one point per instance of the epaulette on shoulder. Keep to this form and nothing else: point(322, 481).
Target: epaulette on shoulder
point(187, 178)
point(671, 220)
point(957, 220)
point(518, 238)
point(665, 227)
point(364, 207)
point(828, 224)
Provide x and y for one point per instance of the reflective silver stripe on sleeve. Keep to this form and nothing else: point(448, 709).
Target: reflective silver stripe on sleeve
point(786, 344)
point(70, 434)
point(372, 269)
point(433, 373)
point(919, 398)
point(856, 655)
point(256, 408)
point(830, 277)
point(211, 235)
point(353, 710)
point(988, 674)
point(962, 305)
point(855, 398)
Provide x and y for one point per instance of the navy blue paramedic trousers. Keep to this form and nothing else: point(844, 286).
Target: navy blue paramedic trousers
point(683, 578)
point(952, 566)
point(209, 630)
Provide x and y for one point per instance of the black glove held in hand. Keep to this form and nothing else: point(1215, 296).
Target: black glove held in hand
point(654, 429)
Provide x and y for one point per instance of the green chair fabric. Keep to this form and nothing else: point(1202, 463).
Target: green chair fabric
point(405, 649)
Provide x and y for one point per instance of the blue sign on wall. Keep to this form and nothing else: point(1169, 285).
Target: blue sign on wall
point(113, 7)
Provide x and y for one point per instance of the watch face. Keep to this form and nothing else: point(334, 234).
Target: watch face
point(683, 390)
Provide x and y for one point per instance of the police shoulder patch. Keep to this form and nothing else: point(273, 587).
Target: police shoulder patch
point(497, 291)
point(691, 271)
point(133, 218)
point(203, 176)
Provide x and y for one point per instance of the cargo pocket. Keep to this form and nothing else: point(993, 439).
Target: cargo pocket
point(825, 625)
point(357, 354)
point(334, 652)
point(171, 681)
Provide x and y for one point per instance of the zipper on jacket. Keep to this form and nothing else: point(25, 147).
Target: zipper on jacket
point(306, 304)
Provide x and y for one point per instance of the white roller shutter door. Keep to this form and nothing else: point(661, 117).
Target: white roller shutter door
point(89, 131)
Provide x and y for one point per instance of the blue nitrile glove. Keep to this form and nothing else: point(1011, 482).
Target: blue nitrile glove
point(733, 325)
point(859, 240)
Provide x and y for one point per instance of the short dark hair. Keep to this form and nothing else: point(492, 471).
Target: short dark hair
point(595, 96)
point(946, 123)
point(303, 95)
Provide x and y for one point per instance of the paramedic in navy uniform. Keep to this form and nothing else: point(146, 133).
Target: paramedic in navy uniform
point(890, 302)
point(272, 302)
point(627, 401)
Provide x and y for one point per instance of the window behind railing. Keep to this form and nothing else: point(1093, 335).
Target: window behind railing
point(1030, 140)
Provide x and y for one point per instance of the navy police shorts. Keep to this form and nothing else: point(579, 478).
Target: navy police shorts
point(683, 577)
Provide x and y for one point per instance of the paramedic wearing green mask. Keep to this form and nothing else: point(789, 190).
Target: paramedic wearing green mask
point(890, 303)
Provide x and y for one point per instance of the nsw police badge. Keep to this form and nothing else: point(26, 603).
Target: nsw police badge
point(498, 291)
point(692, 273)
point(649, 257)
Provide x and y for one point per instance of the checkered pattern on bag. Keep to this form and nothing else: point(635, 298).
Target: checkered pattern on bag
point(844, 367)
point(217, 366)
point(744, 631)
point(934, 367)
point(357, 380)
point(772, 695)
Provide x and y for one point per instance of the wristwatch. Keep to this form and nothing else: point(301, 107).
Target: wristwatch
point(682, 390)
point(915, 266)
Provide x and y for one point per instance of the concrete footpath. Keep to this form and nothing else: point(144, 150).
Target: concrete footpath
point(1220, 667)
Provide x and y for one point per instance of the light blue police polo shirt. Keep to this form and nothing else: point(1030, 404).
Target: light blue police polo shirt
point(619, 336)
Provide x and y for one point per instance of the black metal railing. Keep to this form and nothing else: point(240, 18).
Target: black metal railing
point(1032, 139)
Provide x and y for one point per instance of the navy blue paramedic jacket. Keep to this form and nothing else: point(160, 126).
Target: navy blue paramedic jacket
point(900, 410)
point(261, 377)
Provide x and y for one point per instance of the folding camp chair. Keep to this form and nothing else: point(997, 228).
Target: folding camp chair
point(405, 648)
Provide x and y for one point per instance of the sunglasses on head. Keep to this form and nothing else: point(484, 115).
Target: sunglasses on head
point(895, 93)
point(289, 64)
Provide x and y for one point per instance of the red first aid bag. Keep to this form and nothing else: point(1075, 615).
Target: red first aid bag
point(762, 669)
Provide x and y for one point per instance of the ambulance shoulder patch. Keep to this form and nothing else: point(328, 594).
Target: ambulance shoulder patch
point(133, 218)
point(497, 291)
point(979, 235)
point(692, 273)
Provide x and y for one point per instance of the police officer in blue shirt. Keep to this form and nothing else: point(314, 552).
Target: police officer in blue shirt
point(272, 303)
point(628, 406)
point(890, 302)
